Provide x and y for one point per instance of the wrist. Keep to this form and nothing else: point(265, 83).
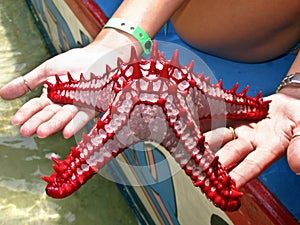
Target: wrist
point(290, 85)
point(115, 40)
point(291, 91)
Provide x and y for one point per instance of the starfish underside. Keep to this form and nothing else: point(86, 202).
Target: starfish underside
point(139, 98)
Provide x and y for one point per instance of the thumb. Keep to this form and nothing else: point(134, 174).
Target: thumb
point(293, 154)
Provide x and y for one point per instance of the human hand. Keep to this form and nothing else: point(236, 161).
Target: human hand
point(259, 144)
point(40, 115)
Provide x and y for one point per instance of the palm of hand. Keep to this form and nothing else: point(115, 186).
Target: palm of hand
point(40, 115)
point(260, 144)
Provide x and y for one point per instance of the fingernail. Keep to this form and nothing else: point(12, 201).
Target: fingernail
point(26, 130)
point(67, 136)
point(41, 136)
point(16, 121)
point(41, 133)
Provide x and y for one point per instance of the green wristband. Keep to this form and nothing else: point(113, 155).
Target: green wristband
point(132, 29)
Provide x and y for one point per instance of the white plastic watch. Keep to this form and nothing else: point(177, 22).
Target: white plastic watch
point(292, 80)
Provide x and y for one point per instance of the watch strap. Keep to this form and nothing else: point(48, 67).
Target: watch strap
point(290, 80)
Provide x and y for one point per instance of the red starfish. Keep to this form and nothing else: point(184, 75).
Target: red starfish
point(138, 98)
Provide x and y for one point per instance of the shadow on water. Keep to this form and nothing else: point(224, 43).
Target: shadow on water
point(24, 159)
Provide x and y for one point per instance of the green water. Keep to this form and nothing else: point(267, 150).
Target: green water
point(24, 159)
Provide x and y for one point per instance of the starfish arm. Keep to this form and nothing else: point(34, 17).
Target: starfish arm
point(139, 99)
point(137, 114)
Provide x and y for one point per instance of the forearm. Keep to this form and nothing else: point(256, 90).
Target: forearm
point(150, 15)
point(290, 90)
point(295, 68)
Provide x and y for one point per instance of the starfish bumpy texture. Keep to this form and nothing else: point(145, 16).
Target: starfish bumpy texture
point(138, 98)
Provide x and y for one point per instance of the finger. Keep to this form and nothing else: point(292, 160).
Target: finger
point(31, 125)
point(218, 137)
point(14, 89)
point(253, 165)
point(57, 122)
point(29, 109)
point(234, 151)
point(21, 85)
point(78, 122)
point(293, 154)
